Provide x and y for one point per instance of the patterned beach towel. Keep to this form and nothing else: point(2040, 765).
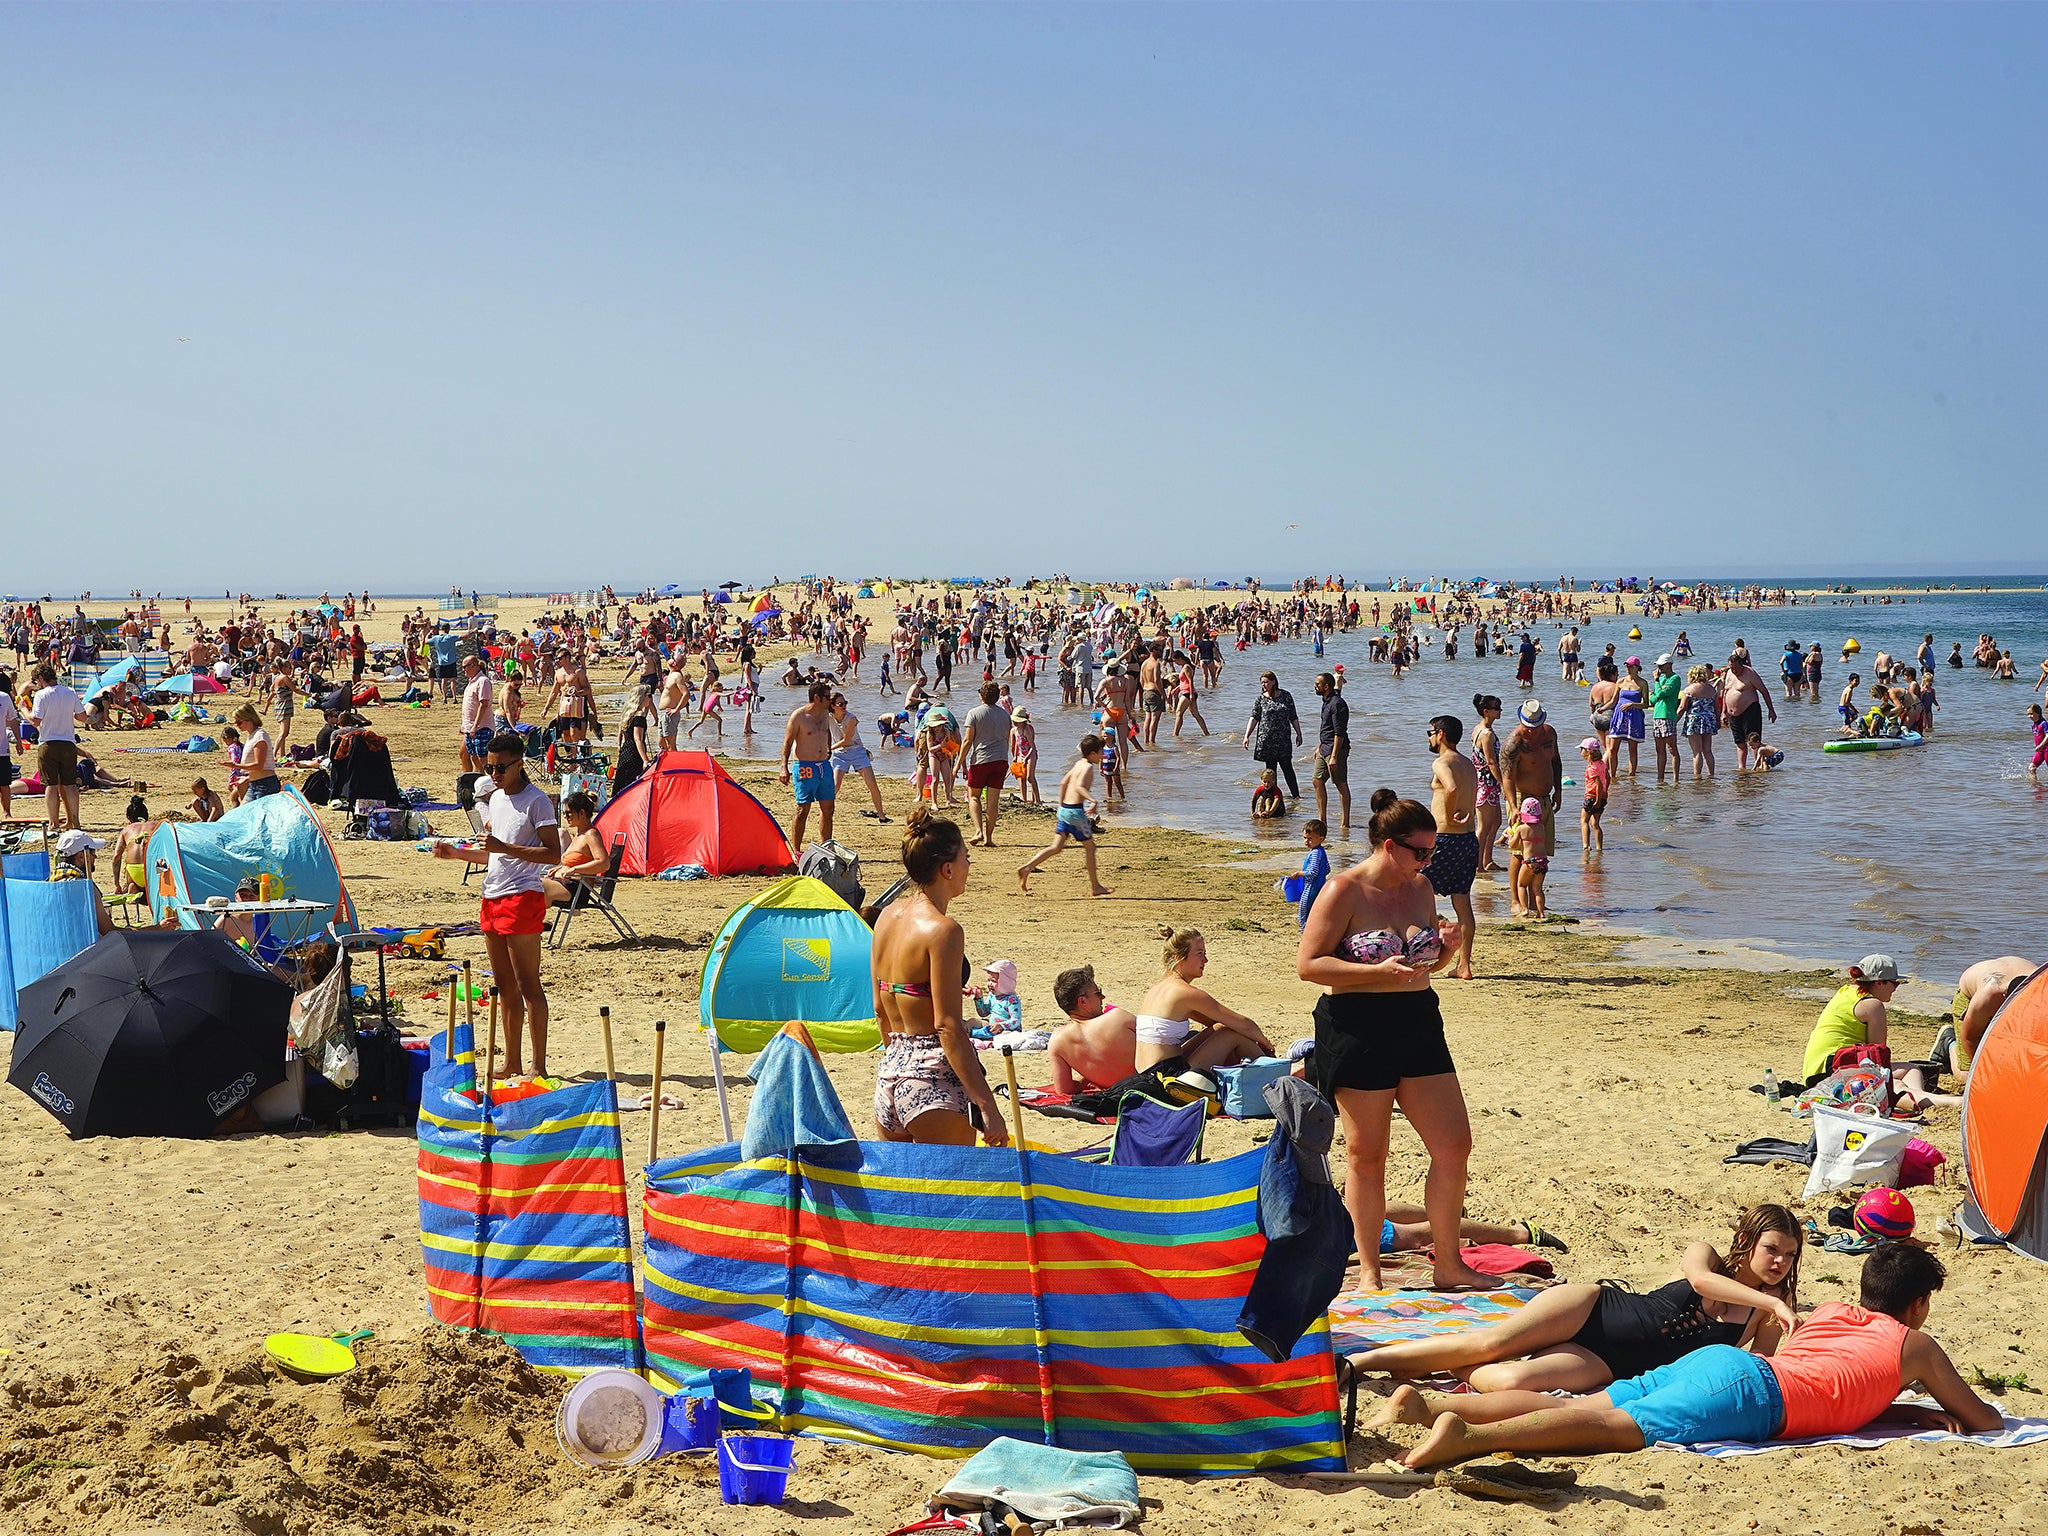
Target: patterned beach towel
point(2017, 1432)
point(1371, 1318)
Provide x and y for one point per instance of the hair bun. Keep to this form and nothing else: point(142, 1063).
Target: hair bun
point(1164, 930)
point(1382, 798)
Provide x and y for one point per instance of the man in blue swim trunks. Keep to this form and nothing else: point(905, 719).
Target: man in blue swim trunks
point(808, 738)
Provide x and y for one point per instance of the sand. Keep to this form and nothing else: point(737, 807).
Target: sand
point(142, 1275)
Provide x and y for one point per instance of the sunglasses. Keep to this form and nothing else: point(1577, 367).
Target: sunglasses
point(1420, 853)
point(494, 769)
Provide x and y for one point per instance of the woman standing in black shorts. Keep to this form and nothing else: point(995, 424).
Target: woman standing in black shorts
point(1380, 1034)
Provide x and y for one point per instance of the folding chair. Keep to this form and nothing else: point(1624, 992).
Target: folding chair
point(465, 796)
point(598, 896)
point(1150, 1134)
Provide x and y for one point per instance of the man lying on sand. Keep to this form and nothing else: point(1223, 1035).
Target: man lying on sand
point(1839, 1371)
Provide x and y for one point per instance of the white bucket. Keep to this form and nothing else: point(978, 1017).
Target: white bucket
point(610, 1418)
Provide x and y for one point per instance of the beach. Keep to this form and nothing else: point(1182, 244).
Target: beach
point(1604, 1092)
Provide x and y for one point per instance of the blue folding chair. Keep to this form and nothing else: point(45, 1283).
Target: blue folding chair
point(1150, 1134)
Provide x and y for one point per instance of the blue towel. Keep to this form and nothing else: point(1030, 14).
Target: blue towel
point(794, 1104)
point(42, 924)
point(1044, 1483)
point(684, 872)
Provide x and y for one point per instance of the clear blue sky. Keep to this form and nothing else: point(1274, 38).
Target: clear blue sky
point(299, 296)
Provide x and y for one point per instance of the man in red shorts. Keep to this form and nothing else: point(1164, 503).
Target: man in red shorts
point(985, 749)
point(523, 840)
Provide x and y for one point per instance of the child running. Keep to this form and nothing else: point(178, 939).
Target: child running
point(1077, 806)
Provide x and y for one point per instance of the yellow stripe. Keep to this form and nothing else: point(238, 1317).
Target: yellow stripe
point(1014, 1266)
point(566, 1306)
point(1133, 1338)
point(473, 1187)
point(605, 1117)
point(555, 1251)
point(984, 1188)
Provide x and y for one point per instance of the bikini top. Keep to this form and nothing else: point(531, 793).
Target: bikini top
point(908, 988)
point(1424, 947)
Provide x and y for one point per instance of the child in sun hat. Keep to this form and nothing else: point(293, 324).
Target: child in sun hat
point(1529, 859)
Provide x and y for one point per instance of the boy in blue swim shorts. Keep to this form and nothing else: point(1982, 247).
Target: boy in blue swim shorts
point(1076, 806)
point(808, 739)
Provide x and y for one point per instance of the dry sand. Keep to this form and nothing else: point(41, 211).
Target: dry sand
point(142, 1275)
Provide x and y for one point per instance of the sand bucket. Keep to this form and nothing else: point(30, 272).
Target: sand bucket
point(753, 1468)
point(611, 1418)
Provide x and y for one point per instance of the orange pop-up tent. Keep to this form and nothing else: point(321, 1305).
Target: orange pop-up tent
point(2005, 1124)
point(686, 809)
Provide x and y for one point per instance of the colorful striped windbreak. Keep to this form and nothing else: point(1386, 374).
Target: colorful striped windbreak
point(885, 1292)
point(523, 1223)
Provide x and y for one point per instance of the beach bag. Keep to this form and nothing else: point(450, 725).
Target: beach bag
point(317, 787)
point(1243, 1087)
point(322, 1029)
point(1855, 1149)
point(389, 824)
point(837, 867)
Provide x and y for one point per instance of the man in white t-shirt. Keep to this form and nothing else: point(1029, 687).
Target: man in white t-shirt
point(56, 712)
point(523, 841)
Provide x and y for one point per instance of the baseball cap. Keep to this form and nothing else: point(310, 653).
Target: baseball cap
point(1664, 660)
point(1590, 744)
point(77, 841)
point(1870, 967)
point(1635, 661)
point(1305, 1117)
point(1531, 712)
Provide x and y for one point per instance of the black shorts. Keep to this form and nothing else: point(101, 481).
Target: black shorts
point(1748, 727)
point(1372, 1040)
point(443, 669)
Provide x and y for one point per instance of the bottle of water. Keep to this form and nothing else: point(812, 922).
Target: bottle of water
point(1771, 1094)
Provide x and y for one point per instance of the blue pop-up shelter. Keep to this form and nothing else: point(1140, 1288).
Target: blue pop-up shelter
point(276, 835)
point(43, 923)
point(796, 951)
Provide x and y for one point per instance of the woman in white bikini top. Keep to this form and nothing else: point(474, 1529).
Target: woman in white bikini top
point(1173, 1005)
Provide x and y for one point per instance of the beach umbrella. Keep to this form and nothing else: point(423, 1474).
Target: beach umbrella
point(729, 586)
point(668, 591)
point(119, 672)
point(154, 1032)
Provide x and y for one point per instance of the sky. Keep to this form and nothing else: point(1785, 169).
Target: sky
point(532, 298)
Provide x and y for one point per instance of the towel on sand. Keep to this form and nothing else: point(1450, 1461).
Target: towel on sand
point(794, 1103)
point(1368, 1319)
point(2016, 1432)
point(1043, 1483)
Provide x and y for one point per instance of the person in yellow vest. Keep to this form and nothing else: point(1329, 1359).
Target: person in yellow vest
point(1855, 1015)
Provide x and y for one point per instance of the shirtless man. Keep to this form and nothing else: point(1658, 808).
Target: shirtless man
point(1979, 995)
point(808, 738)
point(1531, 768)
point(675, 692)
point(1152, 692)
point(1744, 698)
point(1099, 1049)
point(1568, 655)
point(1454, 801)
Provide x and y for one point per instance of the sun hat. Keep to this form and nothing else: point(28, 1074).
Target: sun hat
point(1876, 968)
point(1531, 712)
point(77, 841)
point(1590, 744)
point(1005, 971)
point(936, 719)
point(1532, 810)
point(1022, 712)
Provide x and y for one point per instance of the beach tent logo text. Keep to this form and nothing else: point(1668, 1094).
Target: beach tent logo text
point(806, 959)
point(221, 1100)
point(56, 1098)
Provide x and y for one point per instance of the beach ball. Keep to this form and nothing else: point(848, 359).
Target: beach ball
point(1884, 1213)
point(1851, 646)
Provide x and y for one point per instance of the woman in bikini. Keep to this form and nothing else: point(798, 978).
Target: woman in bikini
point(1486, 761)
point(1173, 1005)
point(584, 856)
point(1581, 1338)
point(929, 1073)
point(1184, 698)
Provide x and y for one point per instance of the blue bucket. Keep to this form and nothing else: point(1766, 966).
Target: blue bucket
point(1293, 886)
point(754, 1469)
point(688, 1424)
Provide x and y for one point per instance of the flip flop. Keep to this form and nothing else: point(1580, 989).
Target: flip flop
point(310, 1357)
point(1543, 1239)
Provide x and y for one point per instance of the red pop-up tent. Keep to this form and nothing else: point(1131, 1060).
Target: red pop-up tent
point(685, 809)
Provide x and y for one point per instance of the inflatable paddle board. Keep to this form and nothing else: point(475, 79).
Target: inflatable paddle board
point(1873, 743)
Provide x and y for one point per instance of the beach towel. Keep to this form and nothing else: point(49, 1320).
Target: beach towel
point(1504, 1259)
point(1368, 1319)
point(794, 1103)
point(1044, 1483)
point(2017, 1432)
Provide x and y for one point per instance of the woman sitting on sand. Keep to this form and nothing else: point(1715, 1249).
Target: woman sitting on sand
point(929, 1074)
point(1580, 1338)
point(1173, 1005)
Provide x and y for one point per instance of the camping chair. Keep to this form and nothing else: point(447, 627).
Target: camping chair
point(598, 896)
point(1150, 1134)
point(126, 905)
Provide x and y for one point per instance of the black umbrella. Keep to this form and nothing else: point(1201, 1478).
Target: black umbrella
point(727, 586)
point(151, 1033)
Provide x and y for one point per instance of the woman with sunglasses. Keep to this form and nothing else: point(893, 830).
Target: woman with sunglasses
point(523, 841)
point(1380, 1032)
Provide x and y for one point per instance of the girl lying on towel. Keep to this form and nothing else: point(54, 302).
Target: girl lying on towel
point(1578, 1338)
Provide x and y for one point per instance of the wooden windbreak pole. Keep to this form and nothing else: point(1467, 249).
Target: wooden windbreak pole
point(604, 1024)
point(654, 1098)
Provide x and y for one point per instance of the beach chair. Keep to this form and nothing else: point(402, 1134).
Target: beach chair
point(592, 896)
point(1150, 1134)
point(598, 896)
point(125, 906)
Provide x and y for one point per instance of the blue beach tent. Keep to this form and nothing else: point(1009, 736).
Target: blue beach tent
point(276, 835)
point(796, 951)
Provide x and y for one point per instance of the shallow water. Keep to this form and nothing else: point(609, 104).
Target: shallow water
point(1934, 855)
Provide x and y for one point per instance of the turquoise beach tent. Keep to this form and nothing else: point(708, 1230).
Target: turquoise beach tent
point(796, 951)
point(276, 835)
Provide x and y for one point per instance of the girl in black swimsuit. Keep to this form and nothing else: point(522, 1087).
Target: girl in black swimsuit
point(1580, 1338)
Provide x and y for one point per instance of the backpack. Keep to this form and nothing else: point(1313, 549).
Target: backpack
point(836, 866)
